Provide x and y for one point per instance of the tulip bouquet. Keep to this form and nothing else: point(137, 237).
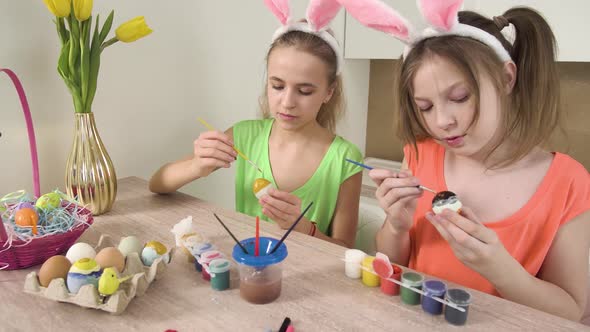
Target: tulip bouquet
point(81, 46)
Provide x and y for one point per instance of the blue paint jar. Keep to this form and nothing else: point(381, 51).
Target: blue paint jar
point(433, 288)
point(197, 251)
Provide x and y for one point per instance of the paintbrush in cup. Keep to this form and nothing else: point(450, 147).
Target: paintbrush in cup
point(231, 234)
point(290, 229)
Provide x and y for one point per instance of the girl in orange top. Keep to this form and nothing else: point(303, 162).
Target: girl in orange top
point(477, 98)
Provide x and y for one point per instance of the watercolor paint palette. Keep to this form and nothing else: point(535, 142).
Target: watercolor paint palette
point(433, 295)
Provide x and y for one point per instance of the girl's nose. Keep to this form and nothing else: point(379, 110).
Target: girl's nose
point(288, 100)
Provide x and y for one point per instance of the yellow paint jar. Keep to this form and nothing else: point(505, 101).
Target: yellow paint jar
point(369, 277)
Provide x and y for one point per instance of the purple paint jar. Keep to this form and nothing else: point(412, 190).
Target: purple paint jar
point(433, 288)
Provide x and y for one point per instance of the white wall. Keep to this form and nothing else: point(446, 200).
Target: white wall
point(205, 58)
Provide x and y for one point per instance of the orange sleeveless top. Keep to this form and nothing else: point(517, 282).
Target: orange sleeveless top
point(563, 194)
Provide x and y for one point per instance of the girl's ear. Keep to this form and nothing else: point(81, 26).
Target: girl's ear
point(331, 90)
point(510, 72)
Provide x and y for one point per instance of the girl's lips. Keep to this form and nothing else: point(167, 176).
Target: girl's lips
point(287, 117)
point(454, 141)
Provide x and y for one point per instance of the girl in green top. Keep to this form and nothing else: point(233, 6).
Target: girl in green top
point(295, 145)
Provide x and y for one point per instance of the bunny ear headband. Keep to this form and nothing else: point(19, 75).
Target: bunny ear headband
point(319, 14)
point(441, 15)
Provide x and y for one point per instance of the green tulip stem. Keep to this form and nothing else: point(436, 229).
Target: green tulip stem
point(109, 43)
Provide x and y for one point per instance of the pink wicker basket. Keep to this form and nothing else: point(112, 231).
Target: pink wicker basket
point(20, 254)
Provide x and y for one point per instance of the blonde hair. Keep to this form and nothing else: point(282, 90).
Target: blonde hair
point(331, 111)
point(529, 114)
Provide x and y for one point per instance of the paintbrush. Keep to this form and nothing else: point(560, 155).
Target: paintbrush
point(370, 168)
point(236, 149)
point(231, 234)
point(290, 229)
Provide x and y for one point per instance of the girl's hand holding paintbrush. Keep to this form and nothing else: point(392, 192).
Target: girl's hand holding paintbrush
point(212, 150)
point(398, 194)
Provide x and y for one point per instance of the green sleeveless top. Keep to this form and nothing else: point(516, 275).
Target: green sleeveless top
point(251, 137)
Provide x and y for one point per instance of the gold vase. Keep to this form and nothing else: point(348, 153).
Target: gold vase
point(90, 175)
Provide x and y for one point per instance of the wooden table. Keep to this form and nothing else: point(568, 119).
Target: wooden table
point(316, 294)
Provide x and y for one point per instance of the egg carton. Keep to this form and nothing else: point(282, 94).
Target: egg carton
point(88, 296)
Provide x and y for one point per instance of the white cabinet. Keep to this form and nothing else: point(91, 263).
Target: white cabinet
point(567, 20)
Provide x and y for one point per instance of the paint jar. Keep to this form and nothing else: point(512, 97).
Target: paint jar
point(219, 271)
point(197, 250)
point(460, 298)
point(389, 287)
point(352, 263)
point(415, 280)
point(369, 277)
point(433, 288)
point(206, 258)
point(260, 276)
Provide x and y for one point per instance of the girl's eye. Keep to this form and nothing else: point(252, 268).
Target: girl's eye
point(277, 87)
point(425, 109)
point(305, 93)
point(461, 99)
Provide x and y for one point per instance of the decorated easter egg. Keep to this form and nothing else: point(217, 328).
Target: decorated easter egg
point(110, 257)
point(85, 271)
point(260, 187)
point(130, 244)
point(23, 205)
point(48, 201)
point(152, 251)
point(80, 250)
point(446, 200)
point(53, 268)
point(26, 217)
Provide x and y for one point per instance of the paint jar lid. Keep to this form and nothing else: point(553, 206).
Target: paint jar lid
point(210, 255)
point(354, 256)
point(412, 279)
point(264, 258)
point(458, 296)
point(434, 287)
point(219, 265)
point(201, 248)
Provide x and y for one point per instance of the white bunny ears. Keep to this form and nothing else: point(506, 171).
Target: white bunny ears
point(319, 14)
point(441, 15)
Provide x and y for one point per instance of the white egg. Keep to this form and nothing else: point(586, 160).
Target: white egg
point(80, 250)
point(130, 244)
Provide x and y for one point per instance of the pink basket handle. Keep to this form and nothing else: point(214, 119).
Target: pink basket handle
point(32, 143)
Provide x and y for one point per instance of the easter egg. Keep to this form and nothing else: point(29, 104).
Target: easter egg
point(446, 200)
point(85, 271)
point(260, 187)
point(48, 201)
point(23, 205)
point(152, 251)
point(26, 217)
point(53, 268)
point(130, 244)
point(110, 257)
point(80, 250)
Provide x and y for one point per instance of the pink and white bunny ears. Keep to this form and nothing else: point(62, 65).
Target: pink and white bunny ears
point(319, 14)
point(441, 15)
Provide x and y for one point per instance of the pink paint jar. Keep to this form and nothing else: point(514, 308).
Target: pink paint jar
point(206, 258)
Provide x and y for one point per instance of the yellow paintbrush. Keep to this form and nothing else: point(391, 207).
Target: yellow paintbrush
point(238, 151)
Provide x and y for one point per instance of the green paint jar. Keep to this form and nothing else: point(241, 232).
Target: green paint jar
point(219, 271)
point(415, 280)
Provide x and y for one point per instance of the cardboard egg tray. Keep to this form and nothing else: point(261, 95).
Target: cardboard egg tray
point(88, 295)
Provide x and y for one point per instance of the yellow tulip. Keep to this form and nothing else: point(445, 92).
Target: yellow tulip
point(59, 8)
point(132, 30)
point(82, 9)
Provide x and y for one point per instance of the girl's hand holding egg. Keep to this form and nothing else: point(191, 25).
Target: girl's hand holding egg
point(283, 208)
